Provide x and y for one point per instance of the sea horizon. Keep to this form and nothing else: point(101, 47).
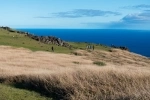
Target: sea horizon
point(83, 29)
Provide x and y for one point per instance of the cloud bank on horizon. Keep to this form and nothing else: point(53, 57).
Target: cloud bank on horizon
point(84, 13)
point(76, 14)
point(137, 6)
point(130, 21)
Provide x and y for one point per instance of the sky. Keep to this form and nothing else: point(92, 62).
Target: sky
point(76, 14)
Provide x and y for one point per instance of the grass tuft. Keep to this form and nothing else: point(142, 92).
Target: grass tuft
point(75, 62)
point(99, 63)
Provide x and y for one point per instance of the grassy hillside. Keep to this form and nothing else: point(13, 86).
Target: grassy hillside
point(20, 40)
point(57, 76)
point(95, 75)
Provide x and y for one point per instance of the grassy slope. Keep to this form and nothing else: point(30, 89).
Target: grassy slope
point(11, 93)
point(76, 83)
point(90, 84)
point(19, 40)
point(86, 82)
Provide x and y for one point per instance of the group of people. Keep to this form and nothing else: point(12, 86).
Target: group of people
point(90, 47)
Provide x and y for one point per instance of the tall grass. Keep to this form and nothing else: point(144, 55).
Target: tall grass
point(89, 84)
point(57, 76)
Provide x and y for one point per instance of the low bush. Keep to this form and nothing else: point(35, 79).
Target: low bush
point(99, 63)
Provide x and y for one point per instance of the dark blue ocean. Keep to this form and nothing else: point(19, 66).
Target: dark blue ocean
point(137, 41)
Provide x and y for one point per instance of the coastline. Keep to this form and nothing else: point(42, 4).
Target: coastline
point(135, 40)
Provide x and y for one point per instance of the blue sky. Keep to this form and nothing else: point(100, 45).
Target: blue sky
point(87, 14)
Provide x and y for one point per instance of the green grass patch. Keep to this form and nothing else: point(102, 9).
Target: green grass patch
point(83, 45)
point(20, 40)
point(99, 63)
point(10, 93)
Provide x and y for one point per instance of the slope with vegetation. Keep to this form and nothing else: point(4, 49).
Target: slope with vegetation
point(13, 38)
point(21, 40)
point(79, 74)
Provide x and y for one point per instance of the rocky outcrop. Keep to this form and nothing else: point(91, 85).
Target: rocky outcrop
point(49, 40)
point(120, 47)
point(8, 29)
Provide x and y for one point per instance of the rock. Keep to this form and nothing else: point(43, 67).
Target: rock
point(8, 29)
point(120, 47)
point(49, 40)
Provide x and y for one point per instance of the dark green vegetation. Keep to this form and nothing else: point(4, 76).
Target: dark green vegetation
point(20, 40)
point(76, 62)
point(11, 93)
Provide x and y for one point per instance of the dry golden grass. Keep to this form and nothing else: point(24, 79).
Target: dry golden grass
point(22, 61)
point(90, 83)
point(57, 76)
point(117, 57)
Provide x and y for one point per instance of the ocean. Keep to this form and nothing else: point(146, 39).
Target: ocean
point(138, 41)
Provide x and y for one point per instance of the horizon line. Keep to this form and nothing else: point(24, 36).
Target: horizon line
point(85, 29)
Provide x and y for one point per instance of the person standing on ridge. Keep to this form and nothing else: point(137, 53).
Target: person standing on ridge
point(52, 49)
point(93, 47)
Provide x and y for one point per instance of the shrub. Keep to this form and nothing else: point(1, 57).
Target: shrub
point(99, 63)
point(76, 62)
point(77, 54)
